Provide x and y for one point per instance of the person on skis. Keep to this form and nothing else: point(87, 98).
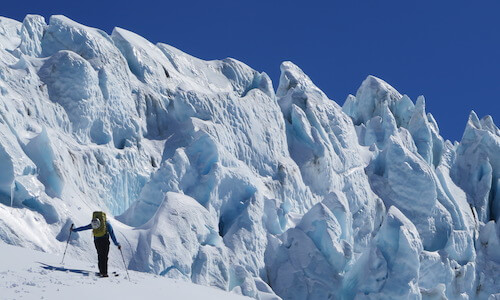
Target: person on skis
point(101, 230)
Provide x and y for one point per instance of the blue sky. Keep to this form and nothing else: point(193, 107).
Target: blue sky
point(448, 51)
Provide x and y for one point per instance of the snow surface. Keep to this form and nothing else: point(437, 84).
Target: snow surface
point(210, 176)
point(29, 274)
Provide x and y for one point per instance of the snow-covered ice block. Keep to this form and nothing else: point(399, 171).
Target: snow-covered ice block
point(298, 270)
point(32, 33)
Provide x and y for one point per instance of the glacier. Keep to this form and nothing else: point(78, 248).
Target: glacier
point(211, 176)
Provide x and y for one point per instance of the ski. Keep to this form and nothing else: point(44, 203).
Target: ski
point(97, 274)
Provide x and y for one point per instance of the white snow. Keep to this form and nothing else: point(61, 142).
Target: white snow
point(29, 274)
point(209, 176)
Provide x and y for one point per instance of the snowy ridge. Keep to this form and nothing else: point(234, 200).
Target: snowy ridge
point(210, 176)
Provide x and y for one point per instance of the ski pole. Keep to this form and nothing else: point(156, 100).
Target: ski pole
point(126, 270)
point(67, 243)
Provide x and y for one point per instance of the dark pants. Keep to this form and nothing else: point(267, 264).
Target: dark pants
point(102, 246)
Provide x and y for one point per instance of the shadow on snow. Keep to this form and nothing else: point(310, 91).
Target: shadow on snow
point(62, 269)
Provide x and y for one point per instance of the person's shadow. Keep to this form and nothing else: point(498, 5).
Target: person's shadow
point(62, 269)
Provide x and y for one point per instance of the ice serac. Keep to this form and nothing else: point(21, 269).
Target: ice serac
point(156, 80)
point(181, 241)
point(389, 268)
point(389, 175)
point(476, 170)
point(308, 261)
point(118, 108)
point(425, 133)
point(477, 166)
point(208, 175)
point(72, 82)
point(370, 100)
point(32, 33)
point(322, 141)
point(443, 278)
point(377, 107)
point(412, 169)
point(9, 34)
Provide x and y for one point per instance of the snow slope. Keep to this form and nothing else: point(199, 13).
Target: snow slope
point(29, 274)
point(210, 176)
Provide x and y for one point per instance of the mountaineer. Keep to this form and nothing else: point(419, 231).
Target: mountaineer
point(101, 230)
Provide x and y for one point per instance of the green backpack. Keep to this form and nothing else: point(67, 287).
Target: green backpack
point(101, 230)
